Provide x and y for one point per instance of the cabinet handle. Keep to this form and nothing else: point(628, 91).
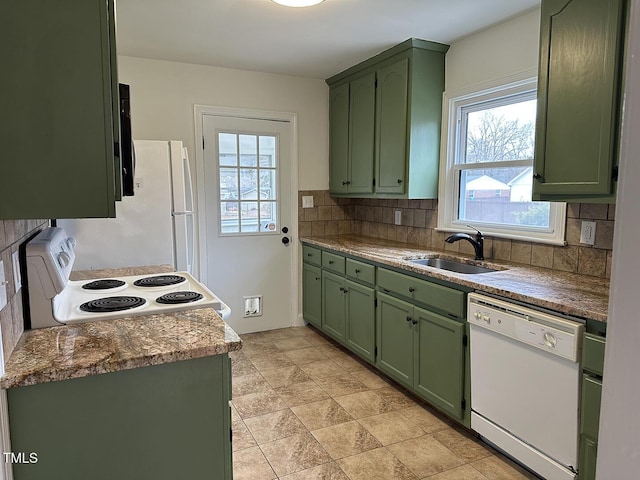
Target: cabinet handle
point(408, 318)
point(346, 182)
point(415, 322)
point(399, 181)
point(330, 262)
point(537, 176)
point(357, 270)
point(309, 254)
point(342, 289)
point(345, 290)
point(411, 289)
point(317, 278)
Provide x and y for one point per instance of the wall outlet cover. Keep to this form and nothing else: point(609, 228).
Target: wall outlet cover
point(588, 233)
point(397, 218)
point(17, 278)
point(307, 201)
point(252, 306)
point(3, 287)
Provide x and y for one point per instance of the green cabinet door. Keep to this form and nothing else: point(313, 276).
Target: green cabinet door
point(578, 98)
point(588, 457)
point(394, 319)
point(59, 98)
point(361, 133)
point(160, 422)
point(391, 127)
point(312, 294)
point(439, 363)
point(361, 319)
point(333, 306)
point(339, 139)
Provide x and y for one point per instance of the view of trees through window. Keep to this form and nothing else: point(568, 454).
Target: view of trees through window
point(495, 165)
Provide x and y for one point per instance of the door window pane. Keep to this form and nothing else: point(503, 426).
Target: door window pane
point(248, 174)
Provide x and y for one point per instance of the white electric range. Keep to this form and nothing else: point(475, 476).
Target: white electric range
point(55, 300)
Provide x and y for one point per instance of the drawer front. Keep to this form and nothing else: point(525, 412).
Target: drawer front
point(590, 411)
point(332, 262)
point(593, 353)
point(361, 272)
point(431, 294)
point(312, 255)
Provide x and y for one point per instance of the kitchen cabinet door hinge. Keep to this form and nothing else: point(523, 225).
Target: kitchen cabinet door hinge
point(375, 303)
point(375, 352)
point(465, 340)
point(202, 143)
point(374, 182)
point(614, 174)
point(463, 404)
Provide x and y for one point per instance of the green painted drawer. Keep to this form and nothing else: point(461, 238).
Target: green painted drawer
point(312, 255)
point(332, 262)
point(590, 411)
point(431, 294)
point(593, 353)
point(361, 272)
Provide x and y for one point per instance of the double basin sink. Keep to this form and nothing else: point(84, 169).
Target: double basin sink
point(452, 265)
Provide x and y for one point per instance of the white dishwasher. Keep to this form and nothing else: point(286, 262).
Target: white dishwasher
point(525, 384)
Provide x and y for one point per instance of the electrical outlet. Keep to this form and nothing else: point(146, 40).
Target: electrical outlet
point(397, 219)
point(588, 233)
point(3, 287)
point(17, 279)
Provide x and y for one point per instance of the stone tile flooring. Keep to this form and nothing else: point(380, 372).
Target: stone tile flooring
point(305, 409)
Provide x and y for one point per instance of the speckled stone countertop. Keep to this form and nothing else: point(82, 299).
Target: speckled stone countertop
point(569, 293)
point(83, 349)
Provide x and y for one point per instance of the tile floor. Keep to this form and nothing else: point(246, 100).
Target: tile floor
point(305, 409)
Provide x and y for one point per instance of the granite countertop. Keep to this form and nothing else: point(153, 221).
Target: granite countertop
point(569, 293)
point(91, 348)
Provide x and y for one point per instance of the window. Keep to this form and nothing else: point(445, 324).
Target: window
point(247, 175)
point(487, 175)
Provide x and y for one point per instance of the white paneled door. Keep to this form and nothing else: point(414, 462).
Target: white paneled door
point(249, 251)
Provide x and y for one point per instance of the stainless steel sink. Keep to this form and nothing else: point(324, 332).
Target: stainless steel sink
point(452, 265)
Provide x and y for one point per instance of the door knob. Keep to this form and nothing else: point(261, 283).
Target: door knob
point(285, 240)
point(285, 229)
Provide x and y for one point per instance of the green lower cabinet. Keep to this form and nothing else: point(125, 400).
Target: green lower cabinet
point(395, 338)
point(160, 422)
point(312, 294)
point(361, 314)
point(439, 364)
point(588, 456)
point(334, 311)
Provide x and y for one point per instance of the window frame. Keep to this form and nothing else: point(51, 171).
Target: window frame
point(501, 91)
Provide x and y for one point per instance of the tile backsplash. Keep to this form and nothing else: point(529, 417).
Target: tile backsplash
point(13, 233)
point(375, 218)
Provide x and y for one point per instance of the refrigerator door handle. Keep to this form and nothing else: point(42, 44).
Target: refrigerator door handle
point(182, 213)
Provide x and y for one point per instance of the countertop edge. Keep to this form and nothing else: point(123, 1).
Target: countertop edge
point(393, 254)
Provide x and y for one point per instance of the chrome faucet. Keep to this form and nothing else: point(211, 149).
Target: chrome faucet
point(478, 242)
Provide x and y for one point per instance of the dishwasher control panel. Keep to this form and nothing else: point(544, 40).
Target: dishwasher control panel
point(538, 329)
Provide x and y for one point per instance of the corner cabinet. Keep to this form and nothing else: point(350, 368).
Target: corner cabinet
point(579, 99)
point(59, 94)
point(384, 123)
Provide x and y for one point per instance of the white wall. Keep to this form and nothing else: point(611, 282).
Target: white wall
point(163, 95)
point(619, 438)
point(501, 51)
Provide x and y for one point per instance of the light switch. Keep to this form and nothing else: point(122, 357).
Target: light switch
point(307, 201)
point(3, 287)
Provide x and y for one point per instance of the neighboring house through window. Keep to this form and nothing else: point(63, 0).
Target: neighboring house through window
point(486, 176)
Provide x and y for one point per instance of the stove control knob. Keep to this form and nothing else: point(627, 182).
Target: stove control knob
point(63, 259)
point(71, 243)
point(486, 318)
point(478, 315)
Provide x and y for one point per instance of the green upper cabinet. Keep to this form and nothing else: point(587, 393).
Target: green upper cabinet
point(60, 99)
point(581, 43)
point(385, 136)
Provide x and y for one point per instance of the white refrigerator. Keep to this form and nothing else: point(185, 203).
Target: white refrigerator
point(155, 226)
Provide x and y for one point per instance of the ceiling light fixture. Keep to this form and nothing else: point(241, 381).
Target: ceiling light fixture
point(298, 3)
